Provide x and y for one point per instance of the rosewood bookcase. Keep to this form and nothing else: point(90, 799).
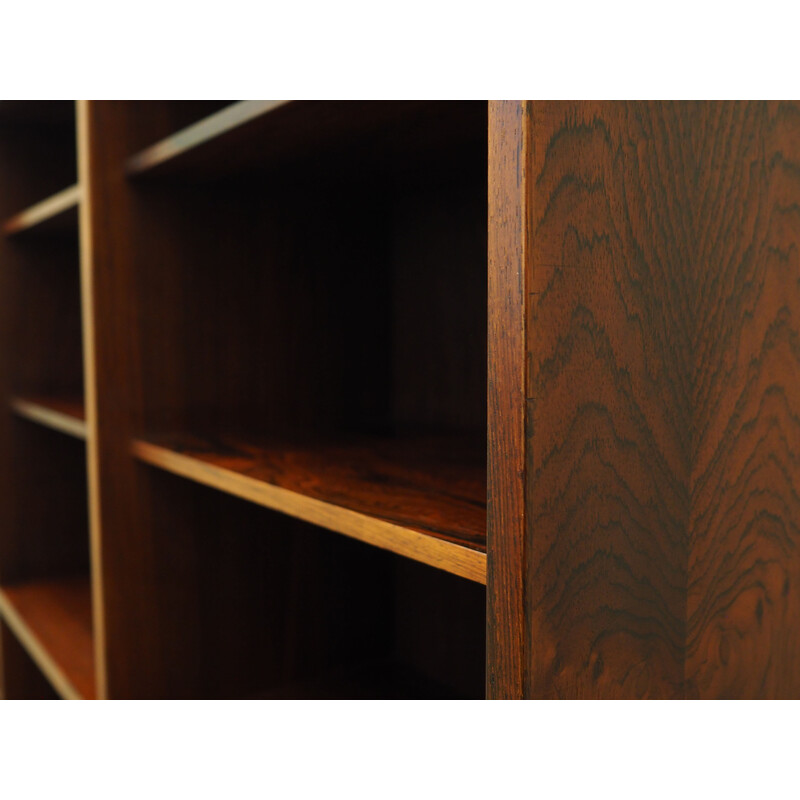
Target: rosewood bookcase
point(399, 399)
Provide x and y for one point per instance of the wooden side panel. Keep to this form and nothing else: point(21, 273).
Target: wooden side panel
point(508, 275)
point(662, 440)
point(744, 566)
point(609, 399)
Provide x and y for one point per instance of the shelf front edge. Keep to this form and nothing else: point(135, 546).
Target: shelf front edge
point(448, 556)
point(45, 210)
point(49, 417)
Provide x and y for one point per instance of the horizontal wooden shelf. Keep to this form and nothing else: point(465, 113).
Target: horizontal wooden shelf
point(254, 134)
point(59, 413)
point(56, 214)
point(423, 499)
point(53, 621)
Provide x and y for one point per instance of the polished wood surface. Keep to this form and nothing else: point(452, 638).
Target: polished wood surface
point(58, 212)
point(743, 605)
point(662, 432)
point(610, 399)
point(287, 304)
point(53, 621)
point(422, 499)
point(509, 172)
point(62, 414)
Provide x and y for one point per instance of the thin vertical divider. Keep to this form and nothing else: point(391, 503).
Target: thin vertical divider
point(90, 392)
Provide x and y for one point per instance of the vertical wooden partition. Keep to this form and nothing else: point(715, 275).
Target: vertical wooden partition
point(659, 246)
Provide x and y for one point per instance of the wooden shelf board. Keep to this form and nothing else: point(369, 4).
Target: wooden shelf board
point(201, 133)
point(57, 213)
point(52, 619)
point(423, 499)
point(59, 413)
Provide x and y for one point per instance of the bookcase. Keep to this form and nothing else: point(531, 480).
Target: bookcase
point(399, 399)
point(281, 309)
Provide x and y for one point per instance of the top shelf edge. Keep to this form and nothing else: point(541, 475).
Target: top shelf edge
point(43, 211)
point(206, 130)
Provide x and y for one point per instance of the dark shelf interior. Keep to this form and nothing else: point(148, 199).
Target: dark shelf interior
point(37, 153)
point(263, 136)
point(270, 604)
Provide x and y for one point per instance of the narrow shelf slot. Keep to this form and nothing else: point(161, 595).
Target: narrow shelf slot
point(57, 213)
point(260, 134)
point(52, 619)
point(236, 116)
point(423, 499)
point(62, 414)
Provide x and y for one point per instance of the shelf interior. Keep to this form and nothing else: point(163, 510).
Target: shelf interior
point(383, 679)
point(256, 603)
point(383, 491)
point(37, 153)
point(311, 283)
point(52, 619)
point(51, 113)
point(264, 134)
point(45, 595)
point(316, 338)
point(41, 284)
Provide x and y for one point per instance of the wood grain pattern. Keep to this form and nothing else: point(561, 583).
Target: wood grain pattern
point(421, 499)
point(509, 171)
point(609, 409)
point(317, 270)
point(62, 414)
point(743, 635)
point(663, 395)
point(53, 621)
